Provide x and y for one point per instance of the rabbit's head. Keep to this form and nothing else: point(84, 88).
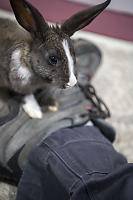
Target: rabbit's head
point(52, 56)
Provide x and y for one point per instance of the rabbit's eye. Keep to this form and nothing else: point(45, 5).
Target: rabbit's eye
point(53, 60)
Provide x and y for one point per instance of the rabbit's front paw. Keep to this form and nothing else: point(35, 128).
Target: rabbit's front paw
point(53, 108)
point(31, 107)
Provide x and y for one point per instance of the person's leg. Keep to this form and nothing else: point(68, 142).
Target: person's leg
point(62, 161)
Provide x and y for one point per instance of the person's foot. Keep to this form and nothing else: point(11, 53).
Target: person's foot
point(19, 133)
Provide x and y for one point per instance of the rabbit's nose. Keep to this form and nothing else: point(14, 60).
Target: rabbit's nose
point(72, 81)
point(69, 85)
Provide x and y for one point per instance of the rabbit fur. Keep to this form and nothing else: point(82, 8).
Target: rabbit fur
point(34, 55)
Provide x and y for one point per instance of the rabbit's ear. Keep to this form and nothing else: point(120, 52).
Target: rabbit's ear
point(28, 16)
point(83, 18)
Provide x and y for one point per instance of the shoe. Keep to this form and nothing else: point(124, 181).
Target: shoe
point(19, 133)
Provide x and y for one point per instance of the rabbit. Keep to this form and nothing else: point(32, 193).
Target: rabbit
point(34, 55)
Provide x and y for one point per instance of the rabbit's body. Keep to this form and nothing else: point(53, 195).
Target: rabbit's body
point(38, 56)
point(12, 37)
point(7, 33)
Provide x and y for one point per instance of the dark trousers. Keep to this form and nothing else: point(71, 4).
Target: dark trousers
point(76, 164)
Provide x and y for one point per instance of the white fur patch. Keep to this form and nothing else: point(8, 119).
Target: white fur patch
point(23, 72)
point(31, 107)
point(72, 78)
point(89, 123)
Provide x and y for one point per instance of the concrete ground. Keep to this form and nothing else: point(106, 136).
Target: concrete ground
point(113, 82)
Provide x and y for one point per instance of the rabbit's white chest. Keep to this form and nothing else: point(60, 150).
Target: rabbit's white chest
point(20, 71)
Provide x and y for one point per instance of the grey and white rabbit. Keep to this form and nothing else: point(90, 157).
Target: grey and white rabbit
point(35, 55)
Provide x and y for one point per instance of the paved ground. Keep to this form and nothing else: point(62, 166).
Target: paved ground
point(7, 192)
point(114, 84)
